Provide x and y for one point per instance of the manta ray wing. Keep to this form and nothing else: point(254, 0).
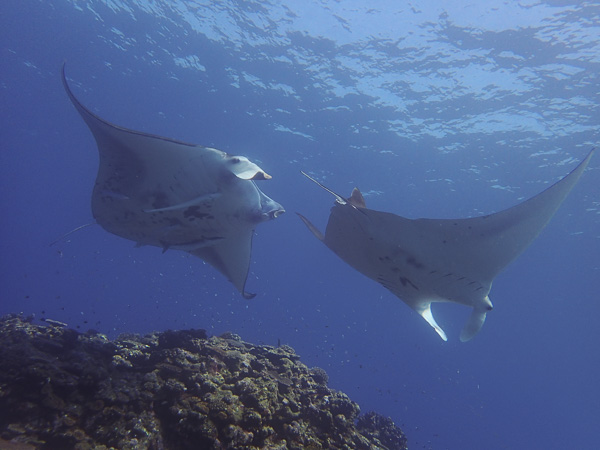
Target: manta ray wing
point(175, 195)
point(231, 257)
point(483, 246)
point(447, 260)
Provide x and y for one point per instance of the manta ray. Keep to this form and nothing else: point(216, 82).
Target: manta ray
point(423, 261)
point(174, 195)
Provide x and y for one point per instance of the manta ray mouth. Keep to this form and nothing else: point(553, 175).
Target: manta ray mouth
point(266, 215)
point(270, 215)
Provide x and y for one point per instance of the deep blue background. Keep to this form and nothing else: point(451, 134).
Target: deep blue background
point(435, 110)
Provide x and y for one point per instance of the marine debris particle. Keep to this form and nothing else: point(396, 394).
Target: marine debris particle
point(171, 390)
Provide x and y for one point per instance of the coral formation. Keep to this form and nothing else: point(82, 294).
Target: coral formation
point(170, 390)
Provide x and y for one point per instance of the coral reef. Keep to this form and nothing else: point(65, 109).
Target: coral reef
point(171, 390)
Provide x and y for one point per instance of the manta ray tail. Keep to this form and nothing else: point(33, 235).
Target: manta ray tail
point(80, 227)
point(338, 198)
point(312, 228)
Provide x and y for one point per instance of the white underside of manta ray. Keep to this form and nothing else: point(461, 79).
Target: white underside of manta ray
point(174, 195)
point(423, 261)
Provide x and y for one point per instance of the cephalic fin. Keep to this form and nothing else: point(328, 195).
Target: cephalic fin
point(425, 312)
point(473, 325)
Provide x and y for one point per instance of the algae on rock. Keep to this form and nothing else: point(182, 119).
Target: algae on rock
point(170, 390)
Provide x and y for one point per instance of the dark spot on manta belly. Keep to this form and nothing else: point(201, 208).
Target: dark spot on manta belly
point(194, 211)
point(160, 200)
point(202, 240)
point(391, 285)
point(405, 281)
point(411, 261)
point(173, 221)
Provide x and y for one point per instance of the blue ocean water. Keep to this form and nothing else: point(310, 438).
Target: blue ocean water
point(433, 109)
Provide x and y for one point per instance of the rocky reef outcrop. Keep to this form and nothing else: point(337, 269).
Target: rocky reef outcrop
point(172, 390)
